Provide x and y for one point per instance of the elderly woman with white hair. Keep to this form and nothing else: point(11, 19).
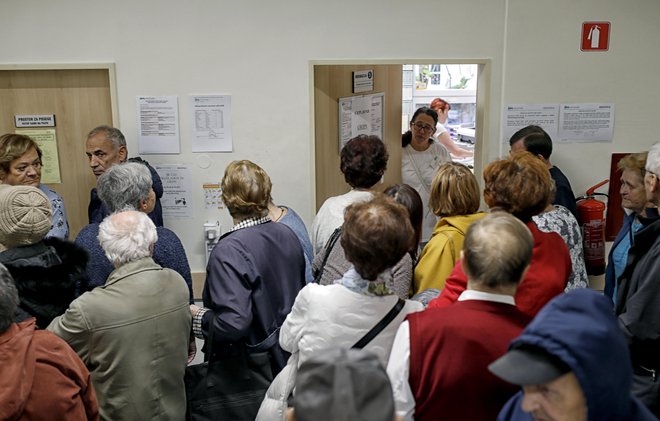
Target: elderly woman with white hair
point(123, 187)
point(133, 332)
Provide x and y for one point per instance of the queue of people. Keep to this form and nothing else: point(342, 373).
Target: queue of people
point(407, 304)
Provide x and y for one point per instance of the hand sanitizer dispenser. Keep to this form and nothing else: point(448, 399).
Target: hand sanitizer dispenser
point(211, 236)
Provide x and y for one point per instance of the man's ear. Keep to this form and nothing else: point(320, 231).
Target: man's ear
point(123, 153)
point(144, 204)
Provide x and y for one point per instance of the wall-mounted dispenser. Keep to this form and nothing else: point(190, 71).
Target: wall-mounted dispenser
point(212, 232)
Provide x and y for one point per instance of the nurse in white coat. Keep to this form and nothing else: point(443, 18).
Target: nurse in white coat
point(422, 155)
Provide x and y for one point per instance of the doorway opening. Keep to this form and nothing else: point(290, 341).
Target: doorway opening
point(457, 85)
point(332, 80)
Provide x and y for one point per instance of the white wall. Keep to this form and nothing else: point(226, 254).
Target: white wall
point(260, 53)
point(544, 64)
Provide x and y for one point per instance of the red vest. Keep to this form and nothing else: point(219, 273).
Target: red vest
point(450, 350)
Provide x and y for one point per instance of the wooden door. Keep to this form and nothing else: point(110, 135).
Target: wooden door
point(332, 82)
point(80, 99)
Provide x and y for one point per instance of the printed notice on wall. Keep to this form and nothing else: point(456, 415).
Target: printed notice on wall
point(360, 115)
point(583, 123)
point(158, 124)
point(517, 116)
point(177, 190)
point(47, 141)
point(211, 131)
point(212, 196)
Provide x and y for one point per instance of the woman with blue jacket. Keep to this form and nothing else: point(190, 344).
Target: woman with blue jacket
point(633, 200)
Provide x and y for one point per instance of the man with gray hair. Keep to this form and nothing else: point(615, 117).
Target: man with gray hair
point(439, 360)
point(128, 186)
point(638, 294)
point(42, 378)
point(106, 146)
point(132, 332)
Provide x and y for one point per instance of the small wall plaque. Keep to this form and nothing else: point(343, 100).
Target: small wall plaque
point(46, 120)
point(363, 81)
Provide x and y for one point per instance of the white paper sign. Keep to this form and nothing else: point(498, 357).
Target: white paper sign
point(360, 115)
point(158, 124)
point(177, 190)
point(584, 123)
point(517, 116)
point(211, 123)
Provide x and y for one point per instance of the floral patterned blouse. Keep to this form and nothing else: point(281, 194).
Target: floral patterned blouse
point(562, 221)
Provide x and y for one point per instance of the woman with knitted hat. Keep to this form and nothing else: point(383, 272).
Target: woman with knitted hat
point(47, 271)
point(20, 165)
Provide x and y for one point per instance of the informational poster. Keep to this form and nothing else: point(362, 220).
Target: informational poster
point(177, 190)
point(211, 123)
point(360, 115)
point(47, 141)
point(517, 116)
point(584, 123)
point(212, 196)
point(158, 124)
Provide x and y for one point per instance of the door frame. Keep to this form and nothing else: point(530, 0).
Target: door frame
point(484, 74)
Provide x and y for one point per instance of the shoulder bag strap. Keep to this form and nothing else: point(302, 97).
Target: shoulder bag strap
point(326, 253)
point(381, 325)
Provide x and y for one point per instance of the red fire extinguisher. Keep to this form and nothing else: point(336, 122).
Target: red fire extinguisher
point(591, 217)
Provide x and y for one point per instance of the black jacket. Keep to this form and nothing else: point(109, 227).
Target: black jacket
point(48, 275)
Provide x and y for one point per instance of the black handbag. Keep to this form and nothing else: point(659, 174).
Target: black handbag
point(229, 388)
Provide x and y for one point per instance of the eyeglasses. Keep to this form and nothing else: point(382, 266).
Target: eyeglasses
point(421, 126)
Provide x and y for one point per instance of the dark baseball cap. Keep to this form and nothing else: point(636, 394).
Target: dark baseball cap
point(528, 365)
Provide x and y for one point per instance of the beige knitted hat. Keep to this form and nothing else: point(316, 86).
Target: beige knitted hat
point(25, 215)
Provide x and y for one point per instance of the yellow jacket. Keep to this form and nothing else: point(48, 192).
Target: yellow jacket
point(442, 251)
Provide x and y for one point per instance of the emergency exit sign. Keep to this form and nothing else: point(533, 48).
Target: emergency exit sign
point(595, 36)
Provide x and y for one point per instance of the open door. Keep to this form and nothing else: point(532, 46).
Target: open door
point(332, 82)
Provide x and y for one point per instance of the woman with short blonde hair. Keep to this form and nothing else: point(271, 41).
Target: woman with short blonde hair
point(253, 275)
point(455, 199)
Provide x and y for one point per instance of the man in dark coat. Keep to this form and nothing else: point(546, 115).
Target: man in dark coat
point(106, 146)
